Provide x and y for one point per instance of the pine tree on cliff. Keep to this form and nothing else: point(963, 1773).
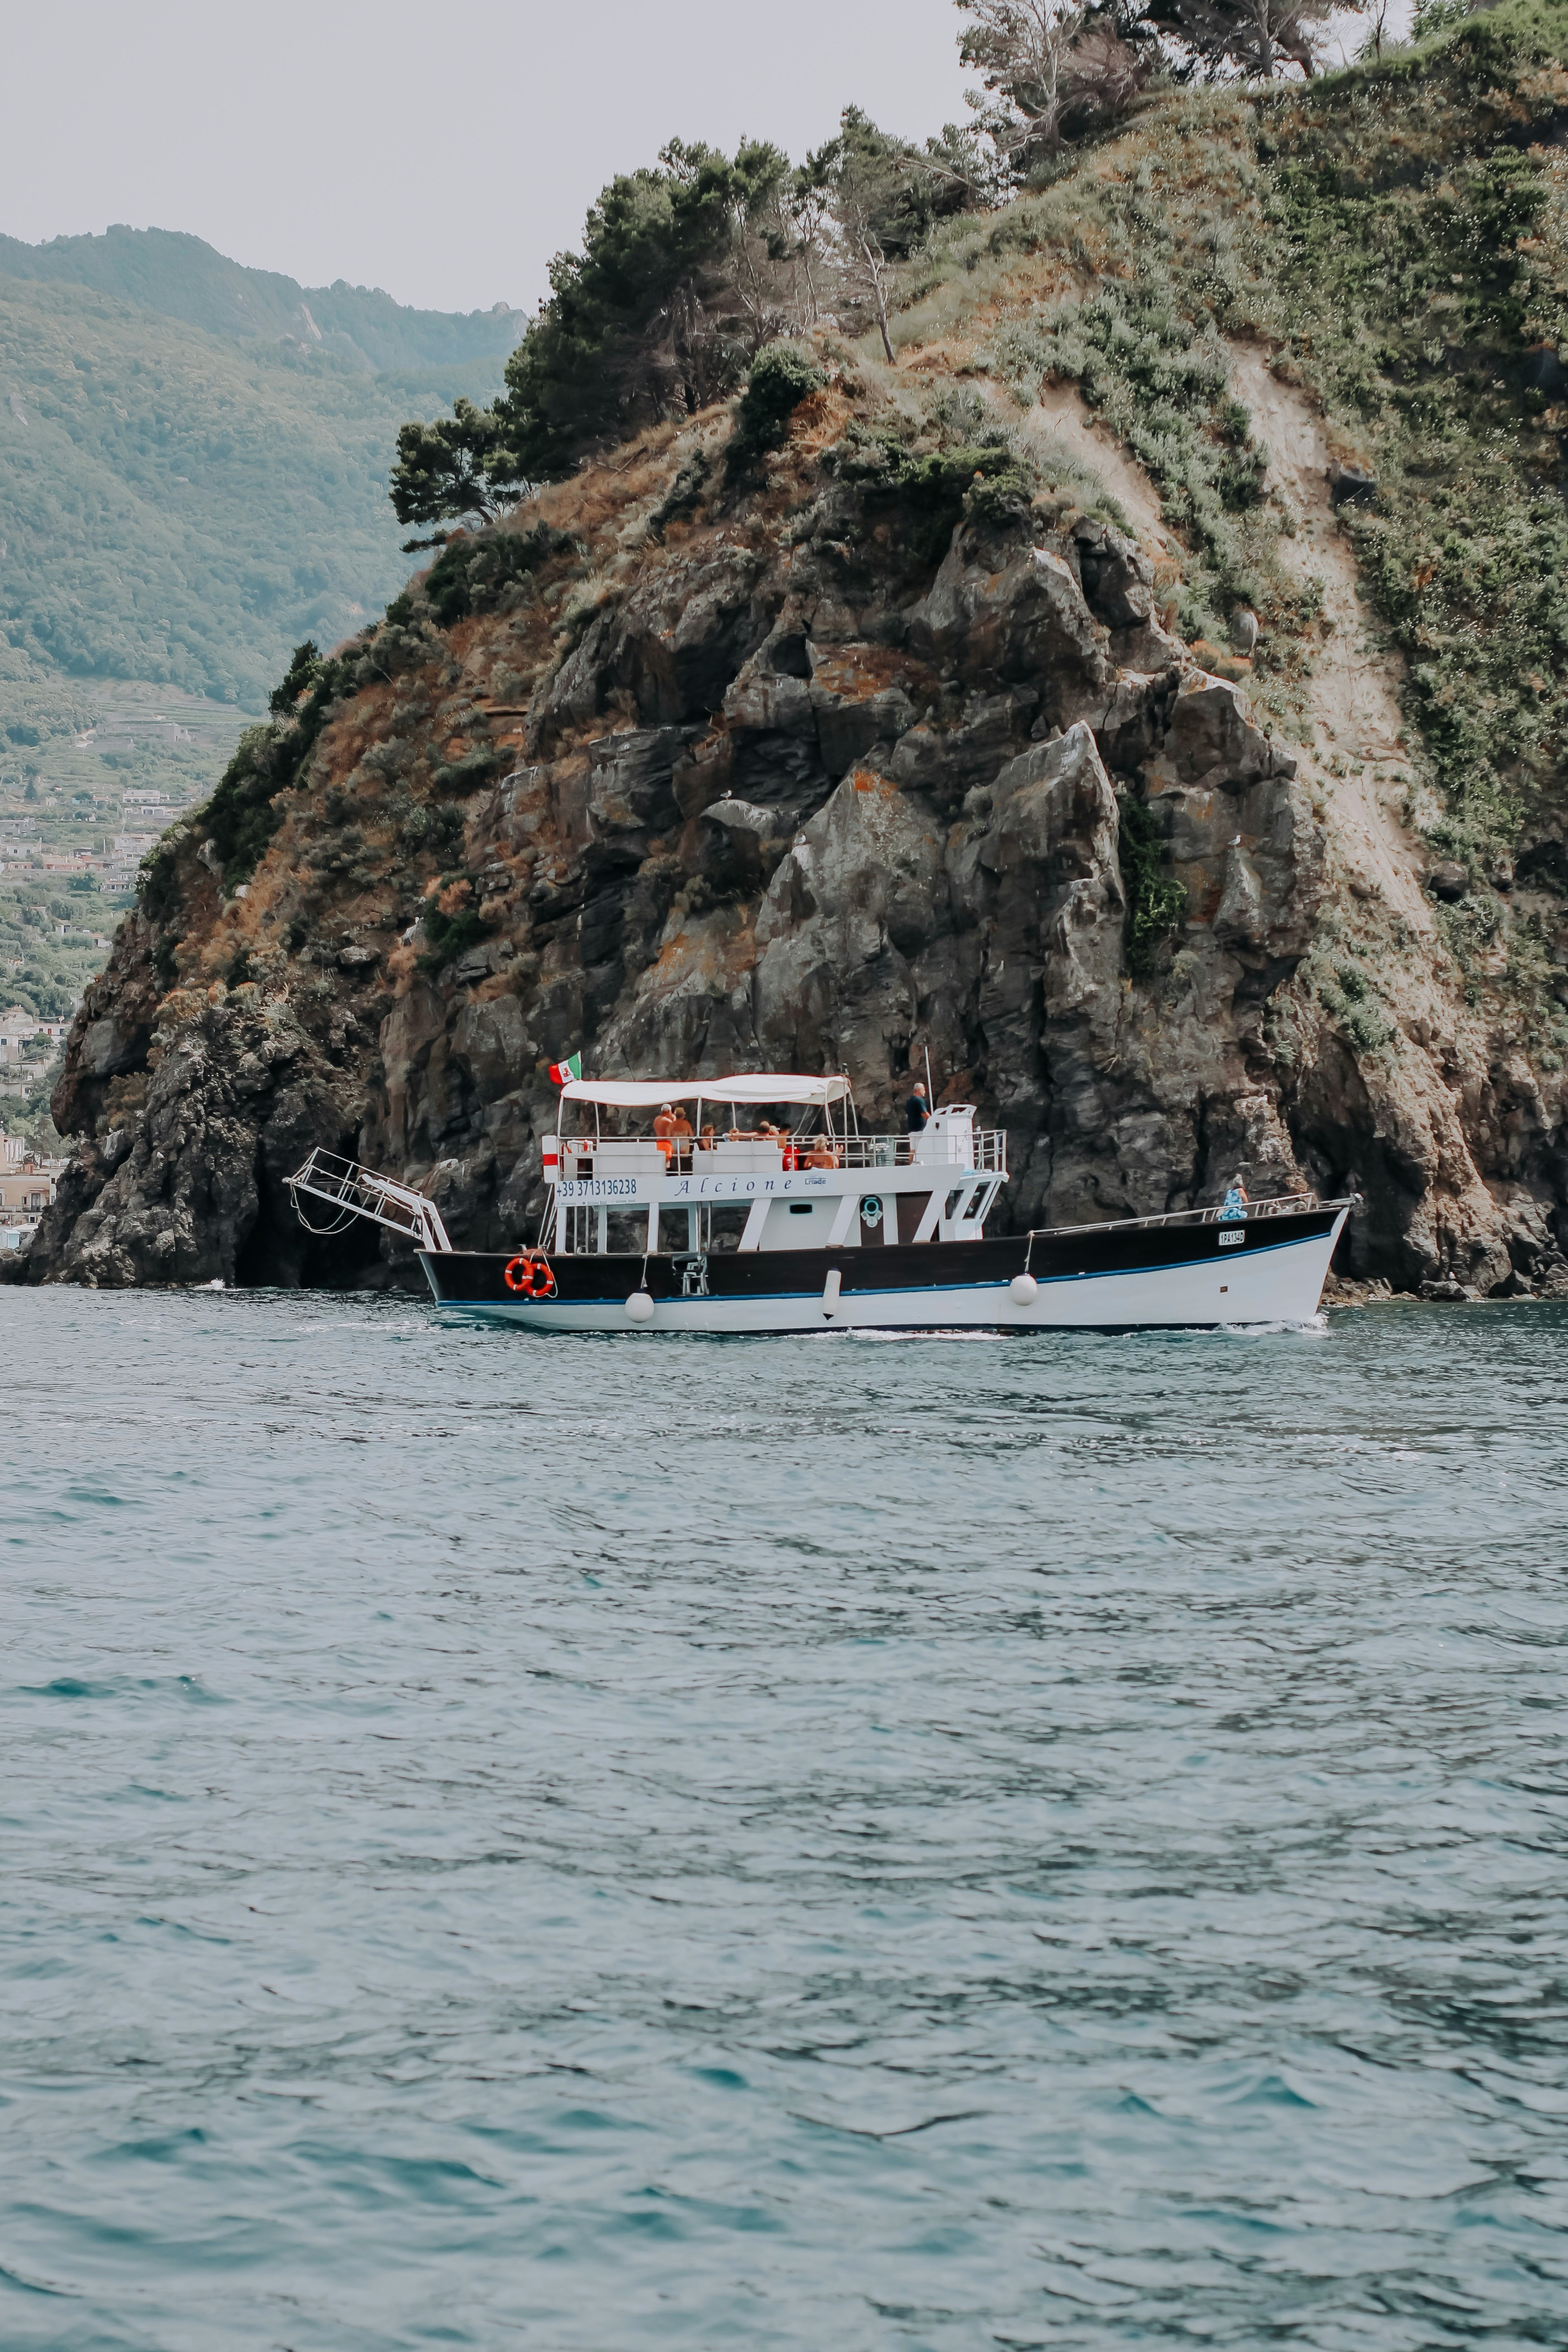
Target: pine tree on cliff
point(645, 321)
point(686, 272)
point(1258, 39)
point(651, 318)
point(461, 468)
point(1053, 69)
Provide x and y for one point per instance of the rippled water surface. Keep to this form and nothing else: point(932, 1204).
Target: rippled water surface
point(815, 1844)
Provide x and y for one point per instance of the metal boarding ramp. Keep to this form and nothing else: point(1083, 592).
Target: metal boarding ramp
point(356, 1192)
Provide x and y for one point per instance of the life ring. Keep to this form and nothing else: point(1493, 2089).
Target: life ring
point(530, 1276)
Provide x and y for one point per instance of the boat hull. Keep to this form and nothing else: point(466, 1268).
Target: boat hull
point(1107, 1279)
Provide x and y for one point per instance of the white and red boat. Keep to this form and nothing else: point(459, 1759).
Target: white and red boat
point(742, 1225)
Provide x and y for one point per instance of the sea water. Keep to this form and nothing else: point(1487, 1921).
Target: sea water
point(606, 1843)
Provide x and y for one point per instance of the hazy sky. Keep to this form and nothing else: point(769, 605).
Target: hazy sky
point(442, 151)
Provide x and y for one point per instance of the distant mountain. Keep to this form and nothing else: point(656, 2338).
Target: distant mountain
point(183, 502)
point(183, 277)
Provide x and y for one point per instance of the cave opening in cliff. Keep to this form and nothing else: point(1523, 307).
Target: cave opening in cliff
point(280, 1254)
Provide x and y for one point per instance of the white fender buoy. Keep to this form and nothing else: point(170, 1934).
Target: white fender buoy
point(830, 1290)
point(1023, 1291)
point(639, 1307)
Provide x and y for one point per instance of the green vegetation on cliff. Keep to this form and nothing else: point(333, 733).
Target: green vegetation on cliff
point(1418, 220)
point(1395, 239)
point(688, 270)
point(1395, 235)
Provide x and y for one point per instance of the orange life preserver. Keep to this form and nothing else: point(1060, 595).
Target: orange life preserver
point(530, 1276)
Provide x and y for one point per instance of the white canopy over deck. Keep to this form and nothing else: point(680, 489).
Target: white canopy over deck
point(753, 1087)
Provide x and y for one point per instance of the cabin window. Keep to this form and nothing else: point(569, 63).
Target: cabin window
point(726, 1226)
point(950, 1206)
point(627, 1234)
point(971, 1207)
point(800, 1208)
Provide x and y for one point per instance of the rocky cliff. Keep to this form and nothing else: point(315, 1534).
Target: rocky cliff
point(768, 786)
point(895, 739)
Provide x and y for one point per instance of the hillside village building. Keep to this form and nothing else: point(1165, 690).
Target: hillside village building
point(27, 1188)
point(25, 1192)
point(26, 1044)
point(20, 1028)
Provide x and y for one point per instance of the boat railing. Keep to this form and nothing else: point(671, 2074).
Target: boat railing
point(612, 1156)
point(357, 1191)
point(983, 1151)
point(1286, 1204)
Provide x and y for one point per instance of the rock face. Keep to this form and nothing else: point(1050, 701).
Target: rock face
point(778, 792)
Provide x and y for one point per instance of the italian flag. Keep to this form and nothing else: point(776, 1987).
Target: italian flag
point(561, 1073)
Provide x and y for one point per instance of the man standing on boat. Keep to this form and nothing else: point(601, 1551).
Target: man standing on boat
point(917, 1110)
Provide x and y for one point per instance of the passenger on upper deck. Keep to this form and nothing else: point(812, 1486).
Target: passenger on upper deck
point(784, 1139)
point(681, 1136)
point(664, 1129)
point(820, 1153)
point(917, 1111)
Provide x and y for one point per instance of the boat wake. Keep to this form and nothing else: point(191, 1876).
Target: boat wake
point(936, 1333)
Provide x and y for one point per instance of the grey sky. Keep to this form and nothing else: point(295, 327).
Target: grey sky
point(444, 152)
